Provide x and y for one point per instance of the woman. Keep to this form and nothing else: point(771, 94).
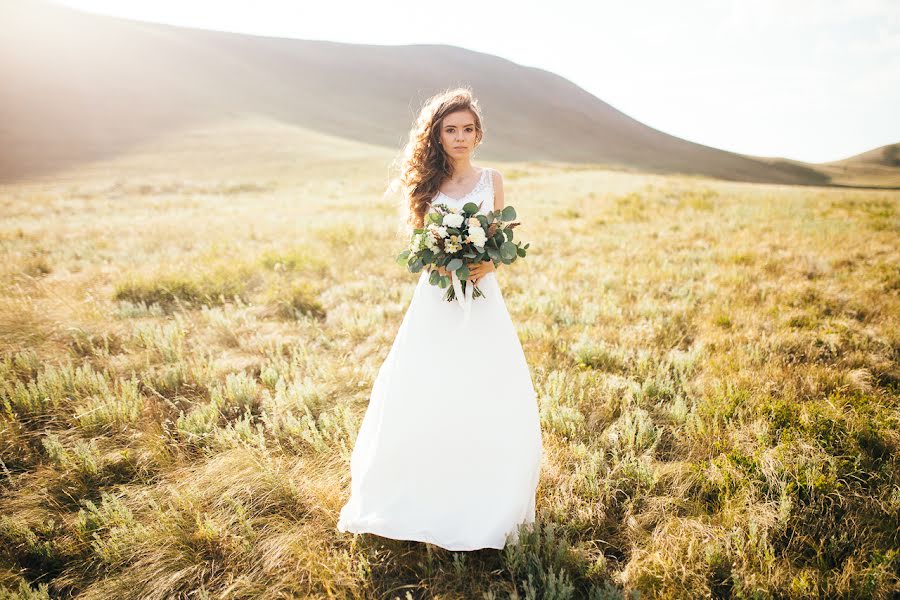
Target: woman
point(450, 447)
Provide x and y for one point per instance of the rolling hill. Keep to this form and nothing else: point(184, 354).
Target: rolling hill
point(81, 87)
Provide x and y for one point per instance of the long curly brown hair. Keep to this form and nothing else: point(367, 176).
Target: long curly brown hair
point(425, 164)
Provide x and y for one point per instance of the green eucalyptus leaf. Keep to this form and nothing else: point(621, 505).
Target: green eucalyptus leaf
point(508, 213)
point(520, 251)
point(454, 264)
point(470, 208)
point(507, 251)
point(463, 273)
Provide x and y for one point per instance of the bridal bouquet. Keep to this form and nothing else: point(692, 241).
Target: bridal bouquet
point(452, 238)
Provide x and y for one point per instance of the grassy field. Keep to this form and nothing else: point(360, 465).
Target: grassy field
point(186, 361)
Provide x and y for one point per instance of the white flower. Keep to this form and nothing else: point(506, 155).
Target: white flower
point(474, 222)
point(477, 236)
point(453, 220)
point(415, 244)
point(442, 231)
point(451, 247)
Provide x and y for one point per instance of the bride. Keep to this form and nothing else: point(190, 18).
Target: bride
point(450, 447)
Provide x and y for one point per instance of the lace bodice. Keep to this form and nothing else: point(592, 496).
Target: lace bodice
point(482, 194)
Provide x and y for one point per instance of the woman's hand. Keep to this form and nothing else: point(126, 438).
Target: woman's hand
point(476, 270)
point(479, 270)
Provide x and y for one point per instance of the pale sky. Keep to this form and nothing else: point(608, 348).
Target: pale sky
point(812, 80)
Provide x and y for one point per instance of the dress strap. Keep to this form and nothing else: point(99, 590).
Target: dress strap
point(490, 186)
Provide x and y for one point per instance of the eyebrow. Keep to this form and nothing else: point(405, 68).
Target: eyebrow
point(469, 125)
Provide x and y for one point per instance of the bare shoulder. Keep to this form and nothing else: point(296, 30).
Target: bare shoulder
point(497, 180)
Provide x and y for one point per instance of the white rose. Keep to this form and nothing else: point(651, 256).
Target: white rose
point(477, 236)
point(453, 220)
point(442, 231)
point(415, 243)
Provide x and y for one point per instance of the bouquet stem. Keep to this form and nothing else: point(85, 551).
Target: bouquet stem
point(450, 296)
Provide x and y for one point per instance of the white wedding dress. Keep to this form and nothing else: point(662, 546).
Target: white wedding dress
point(449, 450)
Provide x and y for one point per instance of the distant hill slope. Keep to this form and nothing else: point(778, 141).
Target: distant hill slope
point(885, 156)
point(879, 167)
point(80, 87)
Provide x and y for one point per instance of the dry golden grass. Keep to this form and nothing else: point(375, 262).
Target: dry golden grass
point(186, 362)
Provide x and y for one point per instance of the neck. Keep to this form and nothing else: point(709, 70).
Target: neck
point(460, 165)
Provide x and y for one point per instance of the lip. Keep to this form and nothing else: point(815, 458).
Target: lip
point(459, 147)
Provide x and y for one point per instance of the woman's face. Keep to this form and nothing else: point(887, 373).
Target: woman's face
point(458, 133)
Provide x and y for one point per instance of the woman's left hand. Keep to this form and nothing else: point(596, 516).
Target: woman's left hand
point(479, 270)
